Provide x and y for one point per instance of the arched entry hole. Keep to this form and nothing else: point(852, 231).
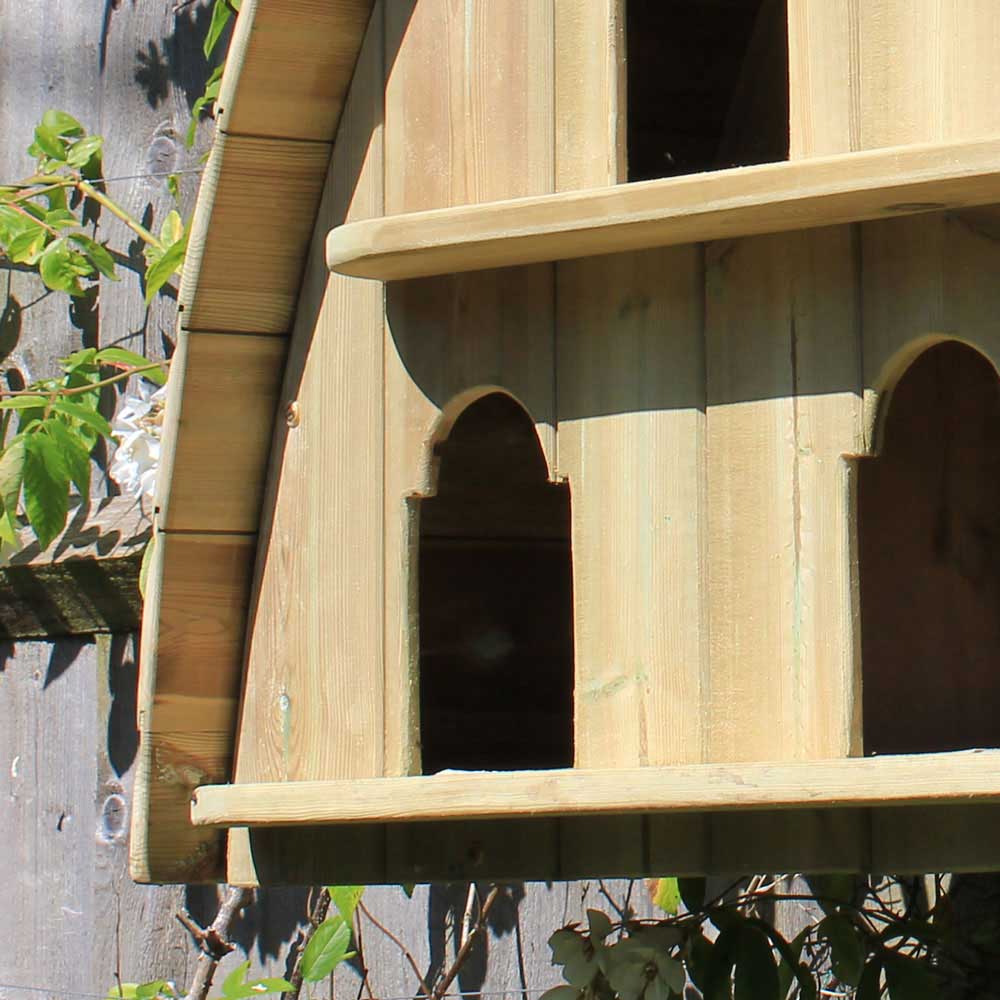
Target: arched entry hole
point(495, 600)
point(929, 555)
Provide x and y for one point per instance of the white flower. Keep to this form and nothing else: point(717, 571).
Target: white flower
point(136, 428)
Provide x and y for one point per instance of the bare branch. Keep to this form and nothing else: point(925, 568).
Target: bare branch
point(213, 941)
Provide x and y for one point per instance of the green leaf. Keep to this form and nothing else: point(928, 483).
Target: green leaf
point(174, 186)
point(562, 993)
point(408, 888)
point(699, 954)
point(75, 451)
point(79, 359)
point(788, 968)
point(126, 991)
point(212, 87)
point(599, 924)
point(346, 899)
point(97, 254)
point(832, 890)
point(565, 944)
point(233, 984)
point(12, 474)
point(870, 986)
point(667, 895)
point(847, 953)
point(61, 218)
point(720, 966)
point(327, 948)
point(84, 150)
point(269, 985)
point(220, 18)
point(82, 414)
point(692, 892)
point(910, 979)
point(22, 402)
point(61, 123)
point(46, 488)
point(48, 141)
point(159, 273)
point(28, 244)
point(147, 991)
point(756, 973)
point(172, 229)
point(121, 357)
point(61, 268)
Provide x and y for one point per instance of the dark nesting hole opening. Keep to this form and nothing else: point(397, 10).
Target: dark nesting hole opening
point(929, 553)
point(495, 600)
point(707, 85)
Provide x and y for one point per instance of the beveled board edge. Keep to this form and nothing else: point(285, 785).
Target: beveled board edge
point(727, 204)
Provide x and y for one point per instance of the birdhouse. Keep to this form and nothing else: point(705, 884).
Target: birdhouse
point(633, 500)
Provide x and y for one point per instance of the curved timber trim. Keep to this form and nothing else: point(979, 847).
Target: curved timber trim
point(747, 201)
point(250, 234)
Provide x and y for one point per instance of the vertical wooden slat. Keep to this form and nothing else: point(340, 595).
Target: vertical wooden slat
point(312, 703)
point(783, 407)
point(468, 118)
point(631, 417)
point(590, 94)
point(872, 73)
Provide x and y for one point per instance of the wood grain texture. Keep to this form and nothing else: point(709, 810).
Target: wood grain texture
point(262, 95)
point(871, 73)
point(631, 443)
point(468, 118)
point(918, 779)
point(784, 404)
point(250, 233)
point(312, 703)
point(223, 397)
point(746, 201)
point(590, 99)
point(192, 639)
point(85, 582)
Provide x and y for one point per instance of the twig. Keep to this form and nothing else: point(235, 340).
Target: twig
point(470, 905)
point(213, 941)
point(463, 952)
point(365, 983)
point(399, 944)
point(317, 914)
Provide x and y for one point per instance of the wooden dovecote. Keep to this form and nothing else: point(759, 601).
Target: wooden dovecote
point(605, 473)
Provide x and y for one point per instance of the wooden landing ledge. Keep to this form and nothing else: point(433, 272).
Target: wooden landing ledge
point(918, 779)
point(747, 201)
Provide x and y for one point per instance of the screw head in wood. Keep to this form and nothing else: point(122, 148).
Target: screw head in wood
point(292, 415)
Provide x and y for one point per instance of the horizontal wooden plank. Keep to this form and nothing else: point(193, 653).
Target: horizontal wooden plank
point(965, 777)
point(86, 581)
point(289, 66)
point(726, 204)
point(220, 418)
point(250, 234)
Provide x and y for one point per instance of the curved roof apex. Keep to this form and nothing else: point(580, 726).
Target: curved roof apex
point(283, 90)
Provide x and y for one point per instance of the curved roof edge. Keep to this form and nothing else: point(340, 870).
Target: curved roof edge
point(286, 79)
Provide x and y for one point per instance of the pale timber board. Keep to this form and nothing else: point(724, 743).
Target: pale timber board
point(218, 430)
point(746, 201)
point(468, 106)
point(865, 74)
point(784, 404)
point(315, 636)
point(192, 637)
point(289, 66)
point(918, 779)
point(250, 234)
point(312, 697)
point(631, 418)
point(590, 111)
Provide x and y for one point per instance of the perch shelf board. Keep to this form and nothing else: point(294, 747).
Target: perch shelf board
point(726, 204)
point(917, 779)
